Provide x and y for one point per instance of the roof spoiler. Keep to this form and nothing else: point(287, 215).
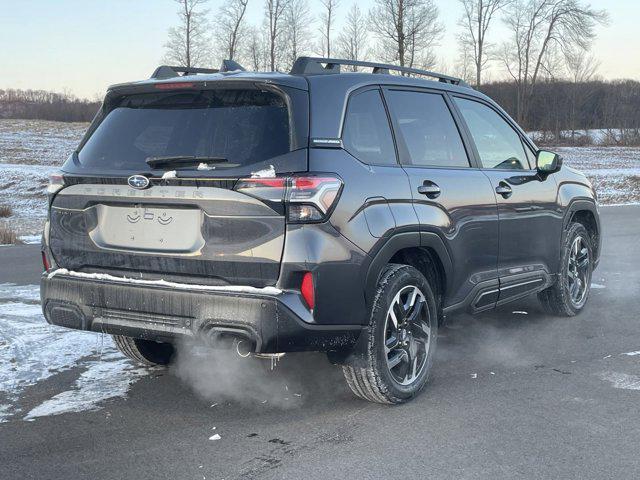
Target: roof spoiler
point(164, 71)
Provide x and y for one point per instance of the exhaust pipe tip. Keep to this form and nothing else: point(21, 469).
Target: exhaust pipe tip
point(226, 338)
point(243, 348)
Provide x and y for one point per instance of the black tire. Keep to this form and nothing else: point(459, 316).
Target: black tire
point(373, 379)
point(559, 299)
point(144, 352)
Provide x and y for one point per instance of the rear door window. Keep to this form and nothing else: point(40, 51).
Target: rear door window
point(244, 126)
point(367, 134)
point(427, 127)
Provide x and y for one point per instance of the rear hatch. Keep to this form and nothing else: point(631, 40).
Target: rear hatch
point(195, 144)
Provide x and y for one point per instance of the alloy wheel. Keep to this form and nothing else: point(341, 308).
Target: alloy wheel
point(407, 337)
point(578, 271)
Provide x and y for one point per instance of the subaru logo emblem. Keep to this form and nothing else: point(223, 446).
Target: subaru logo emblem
point(138, 181)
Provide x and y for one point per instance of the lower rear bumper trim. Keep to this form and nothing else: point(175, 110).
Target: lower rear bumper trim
point(163, 313)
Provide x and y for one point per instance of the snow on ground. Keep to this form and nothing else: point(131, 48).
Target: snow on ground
point(614, 171)
point(32, 351)
point(38, 142)
point(31, 149)
point(24, 188)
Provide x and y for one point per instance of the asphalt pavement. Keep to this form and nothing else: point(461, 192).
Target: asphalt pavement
point(514, 394)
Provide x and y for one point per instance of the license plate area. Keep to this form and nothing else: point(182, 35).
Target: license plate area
point(143, 229)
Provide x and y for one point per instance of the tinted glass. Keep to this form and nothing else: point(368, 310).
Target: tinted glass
point(428, 129)
point(531, 156)
point(498, 144)
point(243, 126)
point(367, 134)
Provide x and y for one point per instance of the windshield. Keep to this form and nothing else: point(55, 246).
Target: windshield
point(243, 126)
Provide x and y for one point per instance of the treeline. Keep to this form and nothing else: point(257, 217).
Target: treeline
point(559, 109)
point(43, 105)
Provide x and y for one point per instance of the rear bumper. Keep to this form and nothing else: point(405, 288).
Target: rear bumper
point(272, 323)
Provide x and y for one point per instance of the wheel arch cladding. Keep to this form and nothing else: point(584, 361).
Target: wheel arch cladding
point(427, 262)
point(585, 212)
point(426, 253)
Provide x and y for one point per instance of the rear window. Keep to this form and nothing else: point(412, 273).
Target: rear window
point(245, 126)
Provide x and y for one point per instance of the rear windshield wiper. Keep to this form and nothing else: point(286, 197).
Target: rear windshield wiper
point(183, 161)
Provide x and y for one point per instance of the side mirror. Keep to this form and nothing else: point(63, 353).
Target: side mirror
point(548, 162)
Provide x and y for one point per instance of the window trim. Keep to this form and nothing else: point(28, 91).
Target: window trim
point(343, 123)
point(518, 131)
point(403, 150)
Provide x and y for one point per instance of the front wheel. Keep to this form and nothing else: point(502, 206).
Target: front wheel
point(403, 329)
point(144, 352)
point(568, 296)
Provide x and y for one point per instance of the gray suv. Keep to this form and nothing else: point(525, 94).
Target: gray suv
point(319, 210)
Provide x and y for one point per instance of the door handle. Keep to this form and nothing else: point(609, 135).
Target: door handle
point(430, 189)
point(504, 190)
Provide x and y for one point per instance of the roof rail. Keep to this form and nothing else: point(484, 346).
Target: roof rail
point(165, 71)
point(323, 66)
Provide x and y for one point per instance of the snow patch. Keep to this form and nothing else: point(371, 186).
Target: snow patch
point(31, 239)
point(265, 173)
point(205, 167)
point(169, 175)
point(32, 351)
point(163, 283)
point(622, 381)
point(632, 354)
point(109, 377)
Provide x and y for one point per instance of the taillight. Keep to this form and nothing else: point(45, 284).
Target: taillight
point(308, 198)
point(308, 291)
point(312, 198)
point(56, 182)
point(271, 189)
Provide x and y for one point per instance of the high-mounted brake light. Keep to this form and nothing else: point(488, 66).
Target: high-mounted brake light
point(309, 198)
point(174, 86)
point(56, 182)
point(307, 290)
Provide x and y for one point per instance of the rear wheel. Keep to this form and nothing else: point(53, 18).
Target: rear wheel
point(145, 352)
point(403, 329)
point(568, 296)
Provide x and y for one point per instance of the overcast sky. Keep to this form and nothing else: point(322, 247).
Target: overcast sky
point(83, 46)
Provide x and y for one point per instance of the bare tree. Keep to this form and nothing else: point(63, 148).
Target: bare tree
point(582, 67)
point(297, 22)
point(475, 21)
point(536, 27)
point(188, 43)
point(352, 41)
point(230, 27)
point(327, 20)
point(274, 18)
point(256, 51)
point(407, 30)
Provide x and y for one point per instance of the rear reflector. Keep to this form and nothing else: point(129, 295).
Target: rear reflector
point(45, 262)
point(307, 290)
